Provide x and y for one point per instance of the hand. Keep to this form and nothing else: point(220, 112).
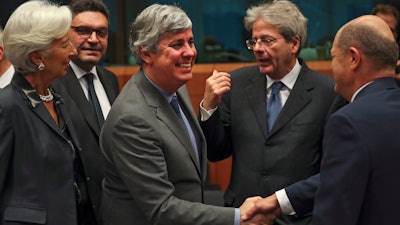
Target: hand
point(248, 204)
point(216, 85)
point(258, 219)
point(268, 206)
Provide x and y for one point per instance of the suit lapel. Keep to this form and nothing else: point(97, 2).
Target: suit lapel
point(298, 99)
point(191, 116)
point(78, 96)
point(166, 114)
point(32, 98)
point(107, 84)
point(257, 99)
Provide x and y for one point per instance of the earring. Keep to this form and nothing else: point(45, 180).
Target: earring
point(41, 66)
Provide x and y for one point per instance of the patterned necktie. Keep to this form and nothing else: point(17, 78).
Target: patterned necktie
point(93, 100)
point(274, 104)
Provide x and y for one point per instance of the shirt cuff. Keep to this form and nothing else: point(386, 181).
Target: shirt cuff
point(284, 202)
point(237, 217)
point(205, 115)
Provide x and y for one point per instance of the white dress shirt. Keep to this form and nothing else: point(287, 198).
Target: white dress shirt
point(7, 76)
point(98, 87)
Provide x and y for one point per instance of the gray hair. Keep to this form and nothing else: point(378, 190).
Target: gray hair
point(283, 14)
point(33, 26)
point(152, 23)
point(378, 49)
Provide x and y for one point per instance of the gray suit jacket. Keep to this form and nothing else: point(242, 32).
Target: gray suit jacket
point(86, 126)
point(151, 172)
point(263, 161)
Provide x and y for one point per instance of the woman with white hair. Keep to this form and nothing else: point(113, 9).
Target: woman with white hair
point(41, 175)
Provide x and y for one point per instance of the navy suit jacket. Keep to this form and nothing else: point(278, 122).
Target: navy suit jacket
point(359, 179)
point(36, 162)
point(86, 126)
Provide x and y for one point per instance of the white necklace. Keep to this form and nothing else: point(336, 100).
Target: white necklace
point(47, 98)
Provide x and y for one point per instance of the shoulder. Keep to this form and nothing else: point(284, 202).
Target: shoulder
point(245, 73)
point(105, 71)
point(246, 70)
point(312, 78)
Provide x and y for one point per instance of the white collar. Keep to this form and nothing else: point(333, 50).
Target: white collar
point(289, 79)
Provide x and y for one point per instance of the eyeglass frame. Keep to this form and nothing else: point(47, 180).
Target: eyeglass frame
point(264, 41)
point(100, 32)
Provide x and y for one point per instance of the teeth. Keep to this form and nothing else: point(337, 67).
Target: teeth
point(185, 65)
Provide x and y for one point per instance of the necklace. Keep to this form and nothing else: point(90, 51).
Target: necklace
point(47, 98)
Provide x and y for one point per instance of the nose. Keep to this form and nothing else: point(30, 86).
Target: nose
point(190, 50)
point(258, 46)
point(93, 37)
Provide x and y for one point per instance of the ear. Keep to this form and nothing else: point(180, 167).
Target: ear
point(354, 58)
point(145, 55)
point(296, 44)
point(1, 53)
point(36, 57)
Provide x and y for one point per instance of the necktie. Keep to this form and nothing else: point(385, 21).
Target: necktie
point(175, 105)
point(93, 100)
point(274, 104)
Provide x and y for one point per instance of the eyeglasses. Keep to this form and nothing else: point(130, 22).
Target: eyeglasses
point(86, 32)
point(265, 42)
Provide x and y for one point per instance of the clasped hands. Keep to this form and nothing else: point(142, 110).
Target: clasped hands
point(259, 211)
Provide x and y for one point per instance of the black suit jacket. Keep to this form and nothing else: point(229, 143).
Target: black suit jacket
point(36, 162)
point(85, 123)
point(266, 161)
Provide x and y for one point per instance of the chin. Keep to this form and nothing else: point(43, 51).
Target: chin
point(265, 70)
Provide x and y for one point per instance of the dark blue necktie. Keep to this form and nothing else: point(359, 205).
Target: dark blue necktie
point(175, 105)
point(274, 104)
point(93, 100)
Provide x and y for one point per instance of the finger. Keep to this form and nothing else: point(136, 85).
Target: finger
point(249, 214)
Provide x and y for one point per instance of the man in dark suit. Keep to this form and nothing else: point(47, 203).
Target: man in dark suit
point(154, 150)
point(89, 34)
point(235, 111)
point(358, 182)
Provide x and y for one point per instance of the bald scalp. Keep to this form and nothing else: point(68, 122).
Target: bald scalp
point(372, 36)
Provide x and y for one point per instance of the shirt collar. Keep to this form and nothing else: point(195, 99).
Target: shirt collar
point(289, 79)
point(162, 91)
point(358, 91)
point(6, 78)
point(80, 72)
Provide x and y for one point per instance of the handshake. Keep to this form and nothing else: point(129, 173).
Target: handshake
point(259, 211)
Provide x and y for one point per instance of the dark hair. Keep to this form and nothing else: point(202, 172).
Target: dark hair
point(386, 9)
point(78, 6)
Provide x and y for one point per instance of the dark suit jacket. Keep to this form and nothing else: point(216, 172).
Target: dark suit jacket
point(86, 126)
point(151, 172)
point(359, 179)
point(36, 163)
point(263, 161)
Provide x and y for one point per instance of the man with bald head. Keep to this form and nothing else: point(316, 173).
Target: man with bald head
point(358, 182)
